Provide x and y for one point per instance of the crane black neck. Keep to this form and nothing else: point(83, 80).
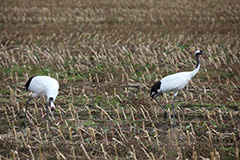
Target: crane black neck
point(50, 99)
point(197, 59)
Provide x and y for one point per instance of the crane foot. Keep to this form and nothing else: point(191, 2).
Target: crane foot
point(165, 114)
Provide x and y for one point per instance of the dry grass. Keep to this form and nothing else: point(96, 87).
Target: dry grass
point(106, 55)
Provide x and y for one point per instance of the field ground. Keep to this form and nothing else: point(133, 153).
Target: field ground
point(106, 54)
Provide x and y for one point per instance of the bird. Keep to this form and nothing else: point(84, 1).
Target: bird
point(174, 83)
point(42, 86)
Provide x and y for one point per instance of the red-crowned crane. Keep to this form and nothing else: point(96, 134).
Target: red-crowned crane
point(42, 86)
point(174, 83)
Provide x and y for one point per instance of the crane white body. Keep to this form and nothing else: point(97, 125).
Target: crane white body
point(43, 86)
point(174, 83)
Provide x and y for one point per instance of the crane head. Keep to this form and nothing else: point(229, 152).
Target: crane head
point(199, 52)
point(52, 106)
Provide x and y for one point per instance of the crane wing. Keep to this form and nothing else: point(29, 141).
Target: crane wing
point(175, 82)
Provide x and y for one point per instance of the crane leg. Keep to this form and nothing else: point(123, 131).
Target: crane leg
point(173, 111)
point(26, 111)
point(165, 113)
point(48, 104)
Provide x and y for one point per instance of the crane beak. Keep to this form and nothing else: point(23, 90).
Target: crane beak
point(206, 53)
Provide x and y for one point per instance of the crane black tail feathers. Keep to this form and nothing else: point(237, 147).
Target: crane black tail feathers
point(154, 90)
point(28, 83)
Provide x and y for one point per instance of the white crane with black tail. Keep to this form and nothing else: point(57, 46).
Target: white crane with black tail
point(42, 86)
point(174, 83)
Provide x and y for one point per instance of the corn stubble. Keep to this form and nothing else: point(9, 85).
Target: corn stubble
point(106, 56)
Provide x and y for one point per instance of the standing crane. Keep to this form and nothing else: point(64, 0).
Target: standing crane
point(174, 83)
point(42, 86)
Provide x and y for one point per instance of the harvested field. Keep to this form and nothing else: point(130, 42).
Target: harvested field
point(106, 54)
